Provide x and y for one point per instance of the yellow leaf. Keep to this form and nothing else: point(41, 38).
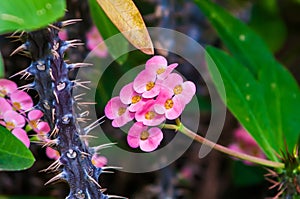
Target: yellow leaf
point(127, 18)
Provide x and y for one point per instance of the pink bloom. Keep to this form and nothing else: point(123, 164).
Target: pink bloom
point(118, 112)
point(63, 34)
point(52, 154)
point(166, 104)
point(130, 97)
point(147, 140)
point(160, 66)
point(13, 120)
point(38, 126)
point(148, 116)
point(7, 87)
point(21, 134)
point(244, 143)
point(4, 107)
point(21, 100)
point(99, 161)
point(145, 83)
point(184, 91)
point(94, 38)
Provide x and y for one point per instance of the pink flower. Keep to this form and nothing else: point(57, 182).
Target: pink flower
point(244, 143)
point(148, 116)
point(147, 140)
point(13, 120)
point(94, 38)
point(166, 104)
point(21, 100)
point(130, 97)
point(7, 87)
point(38, 126)
point(4, 107)
point(99, 161)
point(145, 83)
point(52, 154)
point(118, 112)
point(63, 34)
point(160, 66)
point(184, 91)
point(21, 134)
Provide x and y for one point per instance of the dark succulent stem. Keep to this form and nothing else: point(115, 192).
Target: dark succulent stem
point(55, 91)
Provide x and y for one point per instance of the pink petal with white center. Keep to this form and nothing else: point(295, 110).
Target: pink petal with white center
point(52, 154)
point(176, 110)
point(134, 133)
point(35, 115)
point(172, 81)
point(4, 107)
point(188, 91)
point(21, 100)
point(127, 93)
point(7, 87)
point(113, 106)
point(148, 116)
point(143, 79)
point(163, 96)
point(99, 161)
point(13, 120)
point(153, 141)
point(22, 136)
point(156, 62)
point(168, 71)
point(123, 119)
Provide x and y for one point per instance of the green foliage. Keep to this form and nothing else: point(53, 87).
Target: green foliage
point(274, 99)
point(244, 175)
point(29, 14)
point(107, 29)
point(13, 153)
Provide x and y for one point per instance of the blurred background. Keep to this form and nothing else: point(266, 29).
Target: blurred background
point(216, 176)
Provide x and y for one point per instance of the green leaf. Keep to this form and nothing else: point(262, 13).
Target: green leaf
point(244, 97)
point(280, 89)
point(245, 45)
point(267, 22)
point(13, 153)
point(1, 67)
point(244, 175)
point(107, 30)
point(29, 14)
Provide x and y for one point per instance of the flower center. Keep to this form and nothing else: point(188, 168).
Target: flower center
point(121, 111)
point(17, 105)
point(150, 115)
point(160, 71)
point(34, 124)
point(169, 104)
point(3, 91)
point(10, 125)
point(177, 90)
point(135, 99)
point(144, 135)
point(150, 85)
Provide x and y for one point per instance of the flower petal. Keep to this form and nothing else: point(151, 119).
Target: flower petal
point(35, 115)
point(142, 79)
point(153, 140)
point(22, 136)
point(13, 118)
point(7, 87)
point(52, 154)
point(4, 107)
point(127, 93)
point(99, 161)
point(133, 137)
point(23, 100)
point(112, 107)
point(156, 62)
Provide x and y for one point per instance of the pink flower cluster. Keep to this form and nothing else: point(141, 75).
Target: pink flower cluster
point(156, 94)
point(93, 39)
point(14, 106)
point(243, 142)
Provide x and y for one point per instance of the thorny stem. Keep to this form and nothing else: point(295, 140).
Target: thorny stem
point(181, 128)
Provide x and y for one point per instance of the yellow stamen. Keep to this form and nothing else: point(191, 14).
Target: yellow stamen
point(177, 90)
point(10, 125)
point(135, 99)
point(150, 115)
point(169, 104)
point(150, 85)
point(121, 111)
point(160, 71)
point(17, 105)
point(144, 135)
